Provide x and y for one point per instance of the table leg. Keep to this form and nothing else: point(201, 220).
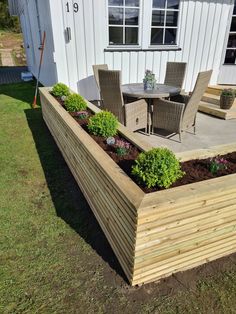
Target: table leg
point(149, 101)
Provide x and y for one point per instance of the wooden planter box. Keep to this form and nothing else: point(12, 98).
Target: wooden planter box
point(157, 234)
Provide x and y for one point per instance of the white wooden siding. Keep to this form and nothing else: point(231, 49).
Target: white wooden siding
point(30, 30)
point(202, 29)
point(201, 35)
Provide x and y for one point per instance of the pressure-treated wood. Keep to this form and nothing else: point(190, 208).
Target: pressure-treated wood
point(153, 235)
point(215, 110)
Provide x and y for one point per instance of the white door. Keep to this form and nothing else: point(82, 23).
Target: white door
point(28, 41)
point(69, 8)
point(227, 73)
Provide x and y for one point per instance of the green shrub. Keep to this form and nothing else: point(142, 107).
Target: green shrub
point(60, 90)
point(157, 167)
point(103, 124)
point(229, 92)
point(75, 102)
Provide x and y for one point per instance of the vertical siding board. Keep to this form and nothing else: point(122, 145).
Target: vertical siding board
point(117, 61)
point(125, 67)
point(59, 41)
point(190, 32)
point(196, 30)
point(100, 29)
point(133, 67)
point(215, 31)
point(156, 65)
point(220, 40)
point(141, 65)
point(89, 35)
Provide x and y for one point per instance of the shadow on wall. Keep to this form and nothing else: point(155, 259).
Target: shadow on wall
point(87, 87)
point(68, 200)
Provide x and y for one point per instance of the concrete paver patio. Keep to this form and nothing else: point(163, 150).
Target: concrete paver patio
point(210, 131)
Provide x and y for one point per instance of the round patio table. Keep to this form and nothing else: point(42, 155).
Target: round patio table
point(137, 90)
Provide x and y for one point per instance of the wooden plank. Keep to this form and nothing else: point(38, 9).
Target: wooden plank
point(188, 264)
point(156, 234)
point(215, 110)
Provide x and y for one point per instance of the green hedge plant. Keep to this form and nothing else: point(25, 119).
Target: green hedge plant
point(157, 168)
point(60, 90)
point(104, 124)
point(75, 102)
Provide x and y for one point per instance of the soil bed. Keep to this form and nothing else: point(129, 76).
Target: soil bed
point(195, 170)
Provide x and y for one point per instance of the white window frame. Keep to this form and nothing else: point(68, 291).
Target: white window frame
point(139, 27)
point(145, 27)
point(165, 10)
point(230, 33)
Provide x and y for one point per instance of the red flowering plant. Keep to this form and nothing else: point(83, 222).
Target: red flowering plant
point(216, 164)
point(122, 147)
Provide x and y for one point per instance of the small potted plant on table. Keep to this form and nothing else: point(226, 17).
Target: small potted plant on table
point(227, 98)
point(149, 81)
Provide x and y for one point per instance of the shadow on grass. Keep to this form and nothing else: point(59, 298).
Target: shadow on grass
point(20, 91)
point(68, 200)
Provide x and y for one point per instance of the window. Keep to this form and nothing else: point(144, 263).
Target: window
point(230, 56)
point(123, 22)
point(164, 22)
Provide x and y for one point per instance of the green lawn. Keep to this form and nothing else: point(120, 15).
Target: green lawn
point(53, 256)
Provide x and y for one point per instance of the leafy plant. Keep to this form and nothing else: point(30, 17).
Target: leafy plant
point(157, 167)
point(60, 90)
point(149, 80)
point(75, 102)
point(229, 92)
point(81, 114)
point(122, 147)
point(217, 164)
point(103, 124)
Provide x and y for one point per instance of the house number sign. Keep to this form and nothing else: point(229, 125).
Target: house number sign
point(75, 7)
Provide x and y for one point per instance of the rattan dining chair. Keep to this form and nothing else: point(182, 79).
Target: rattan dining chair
point(179, 113)
point(133, 115)
point(96, 67)
point(175, 72)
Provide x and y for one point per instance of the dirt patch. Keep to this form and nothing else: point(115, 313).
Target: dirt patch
point(19, 57)
point(9, 40)
point(195, 170)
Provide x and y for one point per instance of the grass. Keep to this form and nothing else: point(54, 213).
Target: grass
point(53, 255)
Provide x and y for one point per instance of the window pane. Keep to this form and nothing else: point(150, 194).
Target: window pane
point(230, 56)
point(132, 3)
point(116, 2)
point(157, 36)
point(172, 4)
point(234, 13)
point(115, 16)
point(158, 18)
point(115, 35)
point(170, 36)
point(131, 35)
point(232, 41)
point(171, 18)
point(131, 16)
point(158, 4)
point(233, 24)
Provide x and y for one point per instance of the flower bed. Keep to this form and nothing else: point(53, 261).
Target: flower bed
point(156, 234)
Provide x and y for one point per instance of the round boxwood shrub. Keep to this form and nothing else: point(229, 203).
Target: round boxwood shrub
point(157, 167)
point(103, 124)
point(75, 102)
point(60, 90)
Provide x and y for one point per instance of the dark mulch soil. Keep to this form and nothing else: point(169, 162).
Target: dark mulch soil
point(195, 170)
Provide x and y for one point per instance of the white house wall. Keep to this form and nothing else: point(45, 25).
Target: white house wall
point(202, 31)
point(32, 40)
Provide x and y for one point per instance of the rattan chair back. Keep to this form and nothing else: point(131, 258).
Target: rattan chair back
point(175, 73)
point(110, 87)
point(191, 107)
point(96, 67)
